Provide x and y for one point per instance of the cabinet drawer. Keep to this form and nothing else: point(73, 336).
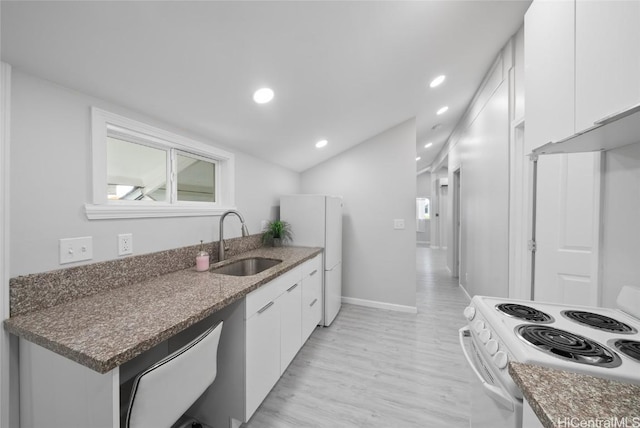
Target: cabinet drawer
point(311, 314)
point(312, 301)
point(261, 297)
point(312, 267)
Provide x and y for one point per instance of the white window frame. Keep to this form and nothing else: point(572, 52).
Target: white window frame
point(104, 123)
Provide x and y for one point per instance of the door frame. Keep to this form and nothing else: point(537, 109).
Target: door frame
point(5, 116)
point(520, 214)
point(456, 222)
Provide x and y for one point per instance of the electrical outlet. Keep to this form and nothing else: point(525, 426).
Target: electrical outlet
point(76, 249)
point(125, 244)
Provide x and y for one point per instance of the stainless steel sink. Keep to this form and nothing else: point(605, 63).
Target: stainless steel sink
point(246, 267)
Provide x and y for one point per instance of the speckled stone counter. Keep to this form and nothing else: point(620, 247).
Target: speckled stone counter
point(105, 330)
point(560, 398)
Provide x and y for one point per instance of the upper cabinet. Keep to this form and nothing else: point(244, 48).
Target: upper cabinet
point(582, 64)
point(607, 59)
point(549, 72)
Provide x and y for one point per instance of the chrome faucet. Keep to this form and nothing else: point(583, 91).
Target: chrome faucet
point(245, 232)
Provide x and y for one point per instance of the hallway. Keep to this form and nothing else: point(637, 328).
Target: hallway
point(377, 368)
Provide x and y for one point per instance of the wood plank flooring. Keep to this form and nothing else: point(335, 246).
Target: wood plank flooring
point(377, 368)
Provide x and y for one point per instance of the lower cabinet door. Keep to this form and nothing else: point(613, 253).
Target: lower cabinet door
point(263, 355)
point(290, 324)
point(311, 304)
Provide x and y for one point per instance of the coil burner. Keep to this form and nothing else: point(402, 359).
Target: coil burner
point(630, 348)
point(598, 321)
point(526, 313)
point(570, 346)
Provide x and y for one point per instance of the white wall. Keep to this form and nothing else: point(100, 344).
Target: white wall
point(621, 230)
point(51, 182)
point(480, 147)
point(377, 181)
point(423, 185)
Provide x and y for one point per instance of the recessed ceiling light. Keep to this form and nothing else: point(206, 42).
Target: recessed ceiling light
point(321, 143)
point(418, 158)
point(263, 95)
point(437, 81)
point(442, 110)
point(426, 146)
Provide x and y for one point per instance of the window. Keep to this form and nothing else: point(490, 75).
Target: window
point(143, 171)
point(422, 209)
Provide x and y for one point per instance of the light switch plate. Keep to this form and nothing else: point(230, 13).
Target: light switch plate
point(75, 249)
point(398, 223)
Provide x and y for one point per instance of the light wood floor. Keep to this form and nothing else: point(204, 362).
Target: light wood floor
point(377, 368)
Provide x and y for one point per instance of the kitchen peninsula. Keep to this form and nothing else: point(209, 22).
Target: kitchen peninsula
point(78, 358)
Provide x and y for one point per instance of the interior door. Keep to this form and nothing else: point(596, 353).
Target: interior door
point(567, 225)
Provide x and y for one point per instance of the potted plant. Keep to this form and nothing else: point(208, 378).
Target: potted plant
point(277, 233)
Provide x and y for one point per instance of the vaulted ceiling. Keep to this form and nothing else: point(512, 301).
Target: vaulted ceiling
point(341, 70)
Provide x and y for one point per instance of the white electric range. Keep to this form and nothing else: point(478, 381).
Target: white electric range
point(596, 341)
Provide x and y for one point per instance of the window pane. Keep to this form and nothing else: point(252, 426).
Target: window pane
point(196, 179)
point(422, 209)
point(135, 172)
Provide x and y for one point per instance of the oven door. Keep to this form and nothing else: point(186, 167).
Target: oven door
point(491, 404)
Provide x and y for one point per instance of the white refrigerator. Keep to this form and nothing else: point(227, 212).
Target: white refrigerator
point(316, 221)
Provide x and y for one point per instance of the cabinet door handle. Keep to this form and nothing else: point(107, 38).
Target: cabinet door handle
point(292, 287)
point(265, 307)
point(314, 272)
point(313, 303)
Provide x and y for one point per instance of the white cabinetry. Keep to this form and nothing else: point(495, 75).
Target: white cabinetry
point(549, 72)
point(607, 57)
point(269, 310)
point(582, 62)
point(311, 296)
point(280, 317)
point(274, 318)
point(291, 324)
point(263, 354)
point(567, 215)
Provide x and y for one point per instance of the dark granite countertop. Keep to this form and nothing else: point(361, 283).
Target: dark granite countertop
point(560, 398)
point(107, 329)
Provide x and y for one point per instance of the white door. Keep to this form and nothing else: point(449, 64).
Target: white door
point(567, 220)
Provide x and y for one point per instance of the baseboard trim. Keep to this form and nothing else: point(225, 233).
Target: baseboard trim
point(380, 305)
point(465, 291)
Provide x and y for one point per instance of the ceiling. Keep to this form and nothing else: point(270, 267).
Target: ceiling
point(341, 70)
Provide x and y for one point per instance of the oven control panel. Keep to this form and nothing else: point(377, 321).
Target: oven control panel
point(493, 349)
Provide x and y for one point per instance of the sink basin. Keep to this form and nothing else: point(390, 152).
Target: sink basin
point(246, 267)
